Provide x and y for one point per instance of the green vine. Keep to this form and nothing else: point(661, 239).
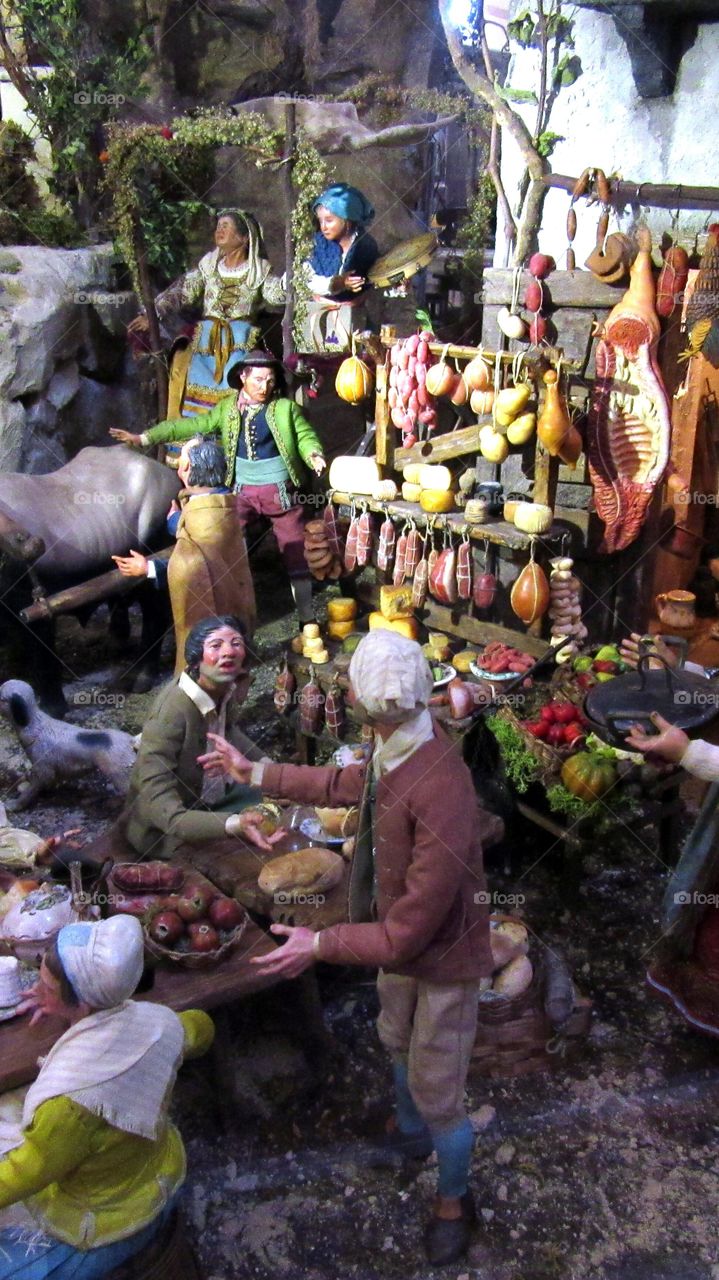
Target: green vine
point(149, 169)
point(310, 176)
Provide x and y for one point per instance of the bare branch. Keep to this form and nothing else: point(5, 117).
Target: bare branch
point(395, 136)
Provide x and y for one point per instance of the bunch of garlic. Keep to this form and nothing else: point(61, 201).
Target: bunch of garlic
point(565, 607)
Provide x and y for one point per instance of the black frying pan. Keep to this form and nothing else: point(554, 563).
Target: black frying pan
point(681, 697)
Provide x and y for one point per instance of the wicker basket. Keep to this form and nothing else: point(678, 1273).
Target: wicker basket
point(507, 1008)
point(517, 1037)
point(549, 759)
point(156, 954)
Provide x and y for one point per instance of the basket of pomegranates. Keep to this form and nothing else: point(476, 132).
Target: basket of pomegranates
point(186, 920)
point(195, 928)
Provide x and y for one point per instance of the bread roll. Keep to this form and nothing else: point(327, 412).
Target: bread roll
point(306, 871)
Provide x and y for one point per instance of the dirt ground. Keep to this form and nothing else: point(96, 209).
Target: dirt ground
point(607, 1168)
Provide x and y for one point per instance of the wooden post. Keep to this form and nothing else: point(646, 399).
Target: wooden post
point(383, 449)
point(148, 303)
point(289, 314)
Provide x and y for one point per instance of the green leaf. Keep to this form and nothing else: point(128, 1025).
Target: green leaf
point(522, 30)
point(547, 141)
point(567, 70)
point(517, 95)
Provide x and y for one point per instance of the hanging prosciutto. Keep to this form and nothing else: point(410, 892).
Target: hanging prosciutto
point(629, 424)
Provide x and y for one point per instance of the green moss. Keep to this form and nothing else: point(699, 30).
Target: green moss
point(560, 800)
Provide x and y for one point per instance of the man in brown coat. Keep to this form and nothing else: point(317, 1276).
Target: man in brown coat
point(430, 939)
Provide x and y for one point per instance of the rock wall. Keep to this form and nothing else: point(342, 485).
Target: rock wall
point(65, 373)
point(607, 124)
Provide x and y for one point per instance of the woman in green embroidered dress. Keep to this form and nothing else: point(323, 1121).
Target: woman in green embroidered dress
point(230, 285)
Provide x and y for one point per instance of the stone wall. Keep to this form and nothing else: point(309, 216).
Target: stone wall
point(65, 373)
point(607, 124)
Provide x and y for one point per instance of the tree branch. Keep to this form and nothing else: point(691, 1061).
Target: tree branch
point(494, 162)
point(394, 136)
point(482, 87)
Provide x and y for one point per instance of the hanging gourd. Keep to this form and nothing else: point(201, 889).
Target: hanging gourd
point(478, 374)
point(355, 379)
point(553, 423)
point(529, 597)
point(441, 377)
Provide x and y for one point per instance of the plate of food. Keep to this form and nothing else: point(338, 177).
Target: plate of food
point(442, 673)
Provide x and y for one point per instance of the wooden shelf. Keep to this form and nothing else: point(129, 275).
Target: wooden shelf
point(499, 532)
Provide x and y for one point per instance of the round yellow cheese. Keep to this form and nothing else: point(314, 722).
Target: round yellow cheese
point(342, 609)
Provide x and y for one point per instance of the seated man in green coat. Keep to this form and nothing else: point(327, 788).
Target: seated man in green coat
point(268, 444)
point(169, 802)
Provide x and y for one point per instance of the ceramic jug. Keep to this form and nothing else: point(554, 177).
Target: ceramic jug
point(676, 608)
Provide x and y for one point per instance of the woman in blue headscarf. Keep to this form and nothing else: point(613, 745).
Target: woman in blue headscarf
point(342, 254)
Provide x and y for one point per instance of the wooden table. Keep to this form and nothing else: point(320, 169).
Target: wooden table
point(179, 989)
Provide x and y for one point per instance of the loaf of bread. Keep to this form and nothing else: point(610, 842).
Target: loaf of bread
point(306, 871)
point(339, 822)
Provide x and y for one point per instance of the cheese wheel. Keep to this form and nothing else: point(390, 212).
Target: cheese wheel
point(411, 472)
point(403, 626)
point(313, 644)
point(411, 492)
point(434, 477)
point(311, 630)
point(342, 609)
point(338, 630)
point(436, 500)
point(354, 475)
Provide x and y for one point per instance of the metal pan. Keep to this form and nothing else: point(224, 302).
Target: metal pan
point(681, 697)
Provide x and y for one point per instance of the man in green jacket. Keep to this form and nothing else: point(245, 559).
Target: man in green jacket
point(268, 444)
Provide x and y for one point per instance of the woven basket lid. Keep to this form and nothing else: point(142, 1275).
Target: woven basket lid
point(404, 261)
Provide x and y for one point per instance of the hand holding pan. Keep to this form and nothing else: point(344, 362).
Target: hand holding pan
point(668, 744)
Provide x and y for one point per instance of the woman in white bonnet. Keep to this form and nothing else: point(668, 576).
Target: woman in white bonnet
point(97, 1162)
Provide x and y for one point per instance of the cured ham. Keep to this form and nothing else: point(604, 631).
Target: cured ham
point(629, 423)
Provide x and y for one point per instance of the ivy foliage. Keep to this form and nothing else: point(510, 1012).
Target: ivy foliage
point(86, 80)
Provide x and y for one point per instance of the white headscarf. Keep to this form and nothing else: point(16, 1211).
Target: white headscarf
point(102, 961)
point(119, 1062)
point(390, 677)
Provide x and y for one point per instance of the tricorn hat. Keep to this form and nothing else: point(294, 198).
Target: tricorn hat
point(256, 359)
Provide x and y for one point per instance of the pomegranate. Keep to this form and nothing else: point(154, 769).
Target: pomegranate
point(194, 903)
point(203, 937)
point(225, 913)
point(166, 928)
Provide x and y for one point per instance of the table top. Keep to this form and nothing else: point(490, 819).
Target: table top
point(178, 988)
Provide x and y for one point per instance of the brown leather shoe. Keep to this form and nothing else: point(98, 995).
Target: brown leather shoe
point(685, 986)
point(447, 1239)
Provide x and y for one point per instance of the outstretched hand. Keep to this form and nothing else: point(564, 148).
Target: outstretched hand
point(669, 744)
point(247, 825)
point(292, 959)
point(224, 758)
point(125, 437)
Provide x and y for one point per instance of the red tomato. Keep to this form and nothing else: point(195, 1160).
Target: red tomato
point(572, 732)
point(537, 728)
point(564, 712)
point(547, 713)
point(555, 735)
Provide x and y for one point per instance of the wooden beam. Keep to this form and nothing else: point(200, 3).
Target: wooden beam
point(578, 289)
point(452, 444)
point(105, 585)
point(382, 423)
point(657, 195)
point(438, 617)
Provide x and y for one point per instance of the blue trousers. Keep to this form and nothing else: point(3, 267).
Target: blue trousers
point(28, 1255)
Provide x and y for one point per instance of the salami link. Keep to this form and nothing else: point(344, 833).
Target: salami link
point(464, 570)
point(364, 538)
point(413, 552)
point(385, 551)
point(400, 560)
point(350, 556)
